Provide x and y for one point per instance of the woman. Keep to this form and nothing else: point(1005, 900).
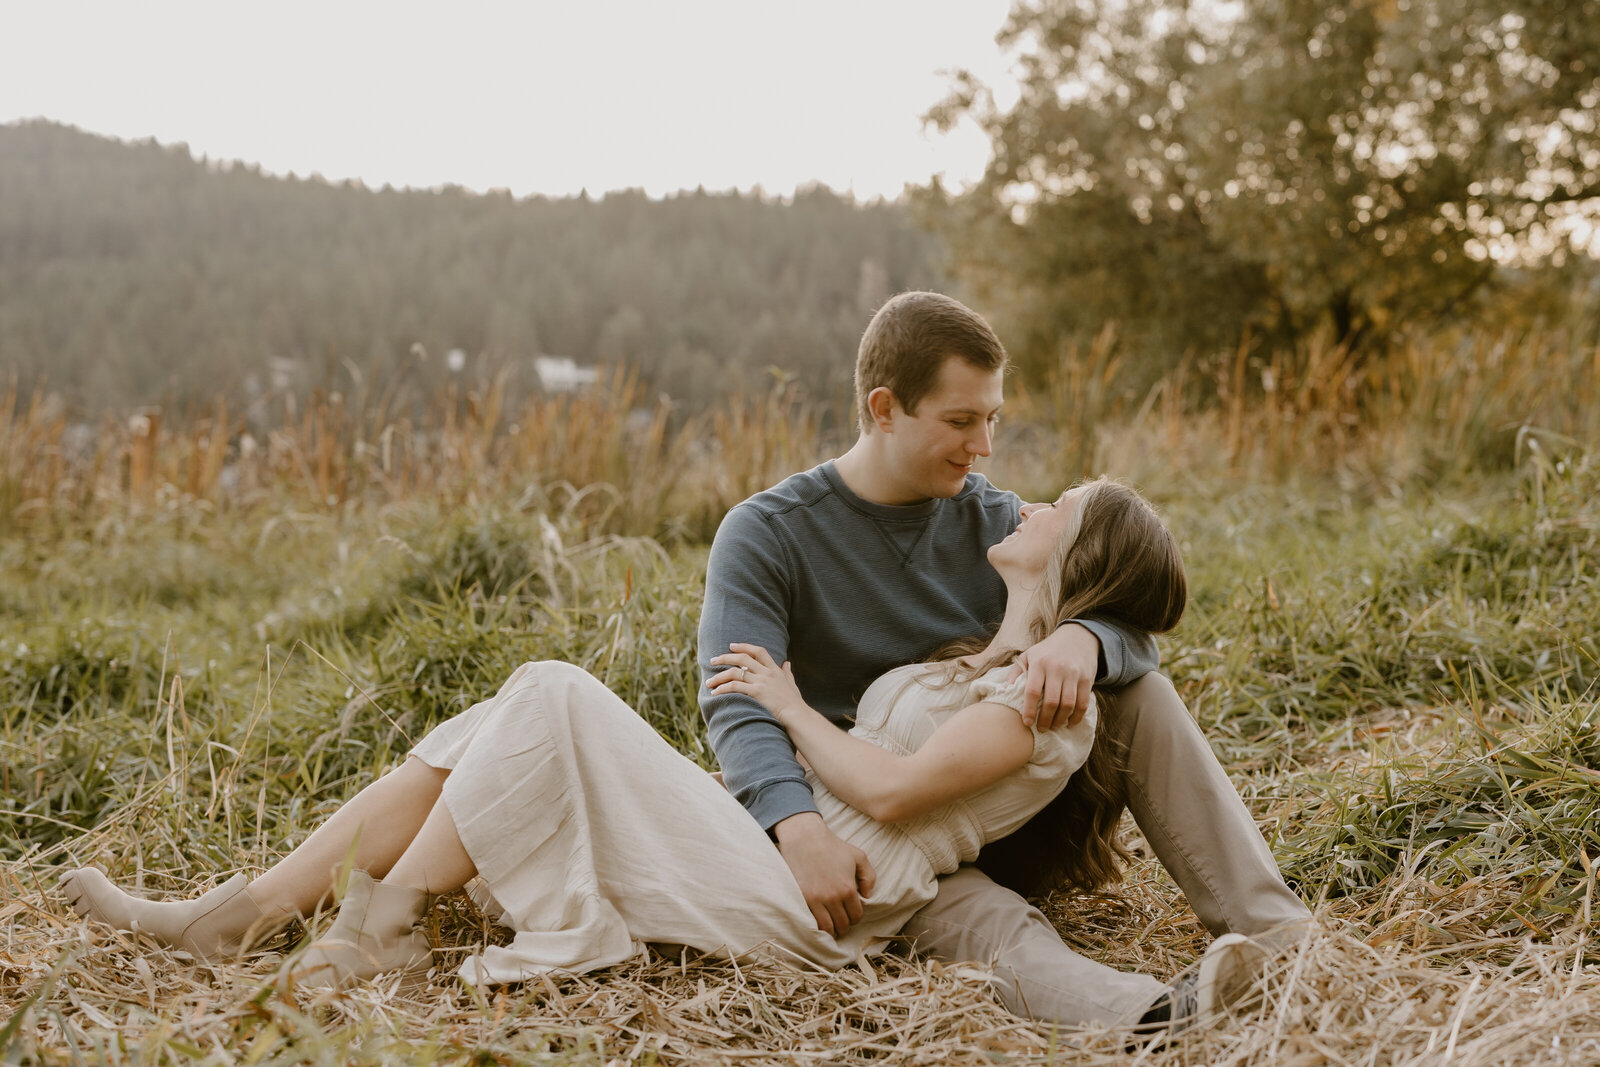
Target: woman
point(591, 834)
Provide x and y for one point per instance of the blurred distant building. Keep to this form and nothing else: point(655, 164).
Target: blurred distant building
point(560, 374)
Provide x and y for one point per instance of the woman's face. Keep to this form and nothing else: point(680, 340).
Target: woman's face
point(1029, 547)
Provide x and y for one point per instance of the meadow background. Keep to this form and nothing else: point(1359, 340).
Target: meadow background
point(1391, 644)
point(280, 488)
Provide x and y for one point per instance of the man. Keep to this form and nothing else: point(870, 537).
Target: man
point(876, 559)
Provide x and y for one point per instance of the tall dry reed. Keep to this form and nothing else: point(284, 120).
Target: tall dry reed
point(1434, 410)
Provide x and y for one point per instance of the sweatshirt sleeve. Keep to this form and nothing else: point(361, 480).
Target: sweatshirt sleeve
point(748, 587)
point(1126, 654)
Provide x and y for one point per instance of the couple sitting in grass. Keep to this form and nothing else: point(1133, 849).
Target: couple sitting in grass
point(992, 661)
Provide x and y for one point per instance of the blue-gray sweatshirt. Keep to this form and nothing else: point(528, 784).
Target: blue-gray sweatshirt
point(846, 589)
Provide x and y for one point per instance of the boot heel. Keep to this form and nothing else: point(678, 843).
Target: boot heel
point(374, 932)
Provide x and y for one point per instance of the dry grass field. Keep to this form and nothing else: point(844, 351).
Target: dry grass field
point(1393, 642)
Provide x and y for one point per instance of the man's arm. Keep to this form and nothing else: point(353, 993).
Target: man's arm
point(1065, 667)
point(1125, 654)
point(748, 588)
point(747, 599)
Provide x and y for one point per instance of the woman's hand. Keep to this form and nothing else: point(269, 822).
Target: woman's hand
point(752, 671)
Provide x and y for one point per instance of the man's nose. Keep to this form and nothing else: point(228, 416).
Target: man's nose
point(981, 443)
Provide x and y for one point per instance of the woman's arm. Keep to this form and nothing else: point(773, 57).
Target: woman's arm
point(974, 748)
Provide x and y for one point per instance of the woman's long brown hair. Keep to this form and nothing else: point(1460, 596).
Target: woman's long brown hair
point(1115, 561)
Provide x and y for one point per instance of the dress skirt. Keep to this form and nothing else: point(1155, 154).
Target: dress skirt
point(592, 835)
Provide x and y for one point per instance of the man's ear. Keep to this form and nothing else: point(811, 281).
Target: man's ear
point(883, 407)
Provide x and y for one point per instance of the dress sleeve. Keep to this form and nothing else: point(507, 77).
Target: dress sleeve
point(1061, 750)
point(992, 688)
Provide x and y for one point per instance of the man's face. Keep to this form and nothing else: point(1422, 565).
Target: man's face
point(931, 453)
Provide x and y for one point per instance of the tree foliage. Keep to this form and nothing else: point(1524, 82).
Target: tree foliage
point(1196, 170)
point(133, 273)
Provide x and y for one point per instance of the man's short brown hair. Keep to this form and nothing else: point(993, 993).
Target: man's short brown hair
point(909, 339)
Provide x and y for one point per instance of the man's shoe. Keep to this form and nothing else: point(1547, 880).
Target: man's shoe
point(1227, 974)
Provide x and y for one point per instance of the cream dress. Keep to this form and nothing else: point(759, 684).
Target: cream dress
point(592, 835)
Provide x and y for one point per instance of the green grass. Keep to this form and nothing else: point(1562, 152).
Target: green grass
point(1402, 685)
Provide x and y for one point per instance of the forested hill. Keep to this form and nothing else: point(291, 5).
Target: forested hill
point(133, 273)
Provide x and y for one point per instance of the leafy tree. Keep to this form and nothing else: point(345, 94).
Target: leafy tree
point(1282, 166)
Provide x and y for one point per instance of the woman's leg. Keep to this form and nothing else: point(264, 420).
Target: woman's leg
point(371, 830)
point(435, 861)
point(376, 929)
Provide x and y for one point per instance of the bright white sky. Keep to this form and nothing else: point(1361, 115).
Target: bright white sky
point(538, 97)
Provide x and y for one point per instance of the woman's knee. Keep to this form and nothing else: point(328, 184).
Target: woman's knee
point(420, 771)
point(556, 672)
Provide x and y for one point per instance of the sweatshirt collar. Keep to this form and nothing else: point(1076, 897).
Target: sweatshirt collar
point(901, 512)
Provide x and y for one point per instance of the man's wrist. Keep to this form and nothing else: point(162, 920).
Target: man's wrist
point(1099, 645)
point(780, 800)
point(800, 824)
point(1085, 627)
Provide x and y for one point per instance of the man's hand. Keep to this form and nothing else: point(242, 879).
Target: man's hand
point(833, 874)
point(1061, 673)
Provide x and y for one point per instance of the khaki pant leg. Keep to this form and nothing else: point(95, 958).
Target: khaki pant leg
point(1035, 973)
point(1193, 817)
